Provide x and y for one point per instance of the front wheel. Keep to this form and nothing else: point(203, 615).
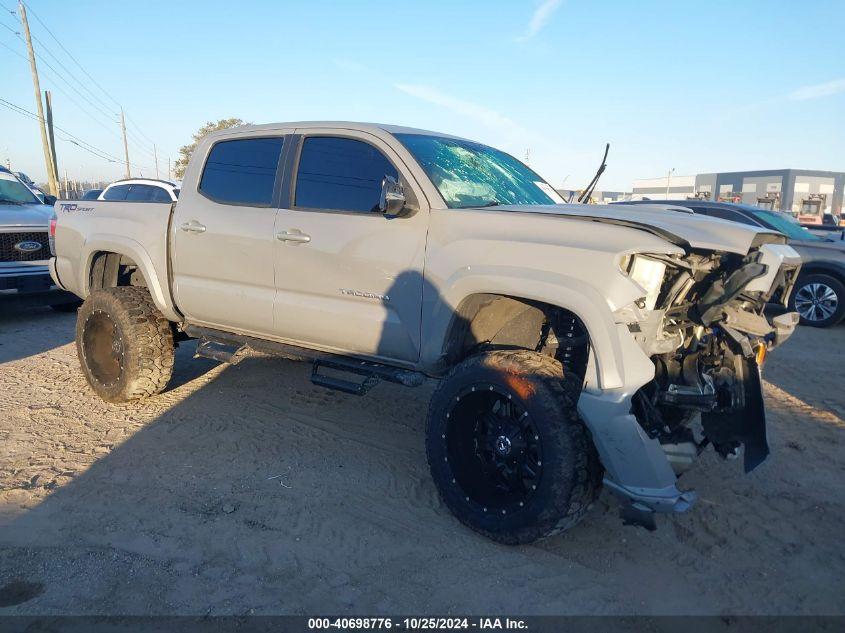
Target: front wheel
point(124, 344)
point(507, 451)
point(819, 300)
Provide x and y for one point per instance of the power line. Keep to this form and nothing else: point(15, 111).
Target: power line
point(75, 61)
point(78, 142)
point(74, 77)
point(73, 138)
point(137, 127)
point(57, 74)
point(47, 50)
point(137, 141)
point(9, 48)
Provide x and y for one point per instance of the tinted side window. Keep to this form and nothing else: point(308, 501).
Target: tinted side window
point(340, 173)
point(140, 193)
point(160, 195)
point(117, 192)
point(242, 171)
point(727, 214)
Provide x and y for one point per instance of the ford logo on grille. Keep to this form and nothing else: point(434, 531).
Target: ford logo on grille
point(28, 246)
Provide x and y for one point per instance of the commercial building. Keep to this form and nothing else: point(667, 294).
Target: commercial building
point(805, 193)
point(599, 197)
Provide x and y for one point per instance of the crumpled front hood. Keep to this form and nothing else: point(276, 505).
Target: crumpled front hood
point(680, 227)
point(25, 215)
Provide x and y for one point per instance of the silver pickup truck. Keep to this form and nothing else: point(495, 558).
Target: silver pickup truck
point(574, 345)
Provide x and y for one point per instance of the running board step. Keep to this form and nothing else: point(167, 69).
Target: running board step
point(372, 373)
point(219, 351)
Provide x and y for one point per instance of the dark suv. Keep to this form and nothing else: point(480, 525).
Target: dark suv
point(819, 294)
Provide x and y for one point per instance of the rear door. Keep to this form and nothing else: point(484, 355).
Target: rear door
point(223, 238)
point(348, 278)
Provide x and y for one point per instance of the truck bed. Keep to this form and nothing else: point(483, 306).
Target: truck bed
point(85, 228)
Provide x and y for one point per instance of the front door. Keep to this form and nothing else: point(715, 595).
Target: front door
point(348, 278)
point(223, 237)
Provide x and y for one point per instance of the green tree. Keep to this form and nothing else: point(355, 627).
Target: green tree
point(186, 151)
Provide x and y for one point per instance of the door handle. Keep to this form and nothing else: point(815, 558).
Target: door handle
point(193, 227)
point(295, 235)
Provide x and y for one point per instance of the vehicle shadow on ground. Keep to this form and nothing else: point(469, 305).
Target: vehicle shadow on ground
point(248, 487)
point(249, 490)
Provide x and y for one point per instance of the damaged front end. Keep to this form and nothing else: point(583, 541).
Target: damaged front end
point(707, 325)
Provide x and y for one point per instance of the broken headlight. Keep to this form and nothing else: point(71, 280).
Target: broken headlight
point(648, 274)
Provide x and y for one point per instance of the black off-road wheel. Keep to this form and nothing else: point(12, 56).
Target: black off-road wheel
point(507, 450)
point(124, 344)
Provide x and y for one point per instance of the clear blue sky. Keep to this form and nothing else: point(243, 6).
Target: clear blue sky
point(698, 86)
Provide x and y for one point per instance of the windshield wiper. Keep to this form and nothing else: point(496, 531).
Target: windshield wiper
point(585, 195)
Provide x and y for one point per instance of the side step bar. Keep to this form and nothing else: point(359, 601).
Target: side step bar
point(372, 373)
point(230, 348)
point(219, 351)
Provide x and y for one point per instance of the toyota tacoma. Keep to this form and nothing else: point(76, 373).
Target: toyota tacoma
point(575, 345)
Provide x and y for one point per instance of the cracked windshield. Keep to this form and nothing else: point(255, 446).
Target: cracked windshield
point(469, 174)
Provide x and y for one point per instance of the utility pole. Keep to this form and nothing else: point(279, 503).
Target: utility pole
point(52, 177)
point(155, 155)
point(125, 144)
point(168, 168)
point(48, 98)
point(67, 194)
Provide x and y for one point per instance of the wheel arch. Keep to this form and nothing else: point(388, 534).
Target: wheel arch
point(499, 321)
point(821, 268)
point(615, 359)
point(110, 264)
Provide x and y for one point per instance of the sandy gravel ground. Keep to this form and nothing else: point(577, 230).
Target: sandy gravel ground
point(248, 490)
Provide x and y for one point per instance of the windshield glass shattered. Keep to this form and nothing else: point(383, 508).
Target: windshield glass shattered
point(13, 191)
point(470, 174)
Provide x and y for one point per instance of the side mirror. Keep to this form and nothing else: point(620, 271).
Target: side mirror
point(392, 201)
point(51, 200)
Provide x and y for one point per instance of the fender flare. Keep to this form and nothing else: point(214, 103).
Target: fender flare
point(137, 253)
point(619, 362)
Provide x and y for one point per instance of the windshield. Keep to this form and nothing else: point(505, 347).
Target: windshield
point(784, 223)
point(12, 191)
point(469, 174)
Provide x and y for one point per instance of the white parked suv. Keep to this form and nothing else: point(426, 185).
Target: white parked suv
point(140, 190)
point(575, 345)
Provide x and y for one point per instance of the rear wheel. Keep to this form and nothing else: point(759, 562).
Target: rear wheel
point(819, 300)
point(124, 344)
point(507, 451)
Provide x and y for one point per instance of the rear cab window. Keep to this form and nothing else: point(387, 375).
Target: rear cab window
point(242, 171)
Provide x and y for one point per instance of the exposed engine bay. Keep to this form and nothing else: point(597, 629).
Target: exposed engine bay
point(708, 325)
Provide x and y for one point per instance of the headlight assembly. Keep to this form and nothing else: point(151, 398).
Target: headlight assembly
point(648, 273)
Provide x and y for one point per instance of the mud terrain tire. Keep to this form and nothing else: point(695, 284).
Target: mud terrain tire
point(124, 344)
point(522, 390)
